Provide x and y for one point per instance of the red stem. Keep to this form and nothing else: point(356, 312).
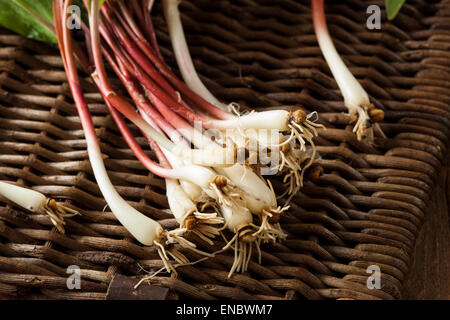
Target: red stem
point(65, 45)
point(140, 100)
point(318, 15)
point(143, 17)
point(156, 94)
point(119, 102)
point(150, 30)
point(137, 10)
point(148, 53)
point(96, 47)
point(133, 50)
point(136, 148)
point(122, 8)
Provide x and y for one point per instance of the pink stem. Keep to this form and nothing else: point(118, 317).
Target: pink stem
point(318, 13)
point(88, 127)
point(96, 48)
point(148, 53)
point(133, 50)
point(156, 95)
point(140, 100)
point(150, 30)
point(138, 151)
point(65, 45)
point(134, 6)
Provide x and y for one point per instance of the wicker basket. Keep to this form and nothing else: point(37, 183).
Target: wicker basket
point(366, 209)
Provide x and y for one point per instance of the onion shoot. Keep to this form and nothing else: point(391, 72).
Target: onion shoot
point(36, 202)
point(356, 98)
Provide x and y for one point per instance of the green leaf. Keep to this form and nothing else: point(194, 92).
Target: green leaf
point(393, 7)
point(15, 16)
point(20, 16)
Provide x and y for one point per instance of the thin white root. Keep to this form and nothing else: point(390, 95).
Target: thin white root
point(148, 278)
point(249, 235)
point(267, 231)
point(151, 276)
point(258, 249)
point(169, 238)
point(377, 126)
point(235, 108)
point(293, 176)
point(206, 225)
point(242, 254)
point(164, 258)
point(294, 171)
point(291, 161)
point(176, 236)
point(57, 212)
point(364, 127)
point(360, 127)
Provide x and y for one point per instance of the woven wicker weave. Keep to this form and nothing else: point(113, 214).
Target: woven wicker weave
point(366, 209)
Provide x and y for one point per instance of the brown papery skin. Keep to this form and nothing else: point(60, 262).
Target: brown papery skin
point(298, 116)
point(376, 115)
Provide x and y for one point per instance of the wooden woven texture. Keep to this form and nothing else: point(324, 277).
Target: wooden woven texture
point(367, 208)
